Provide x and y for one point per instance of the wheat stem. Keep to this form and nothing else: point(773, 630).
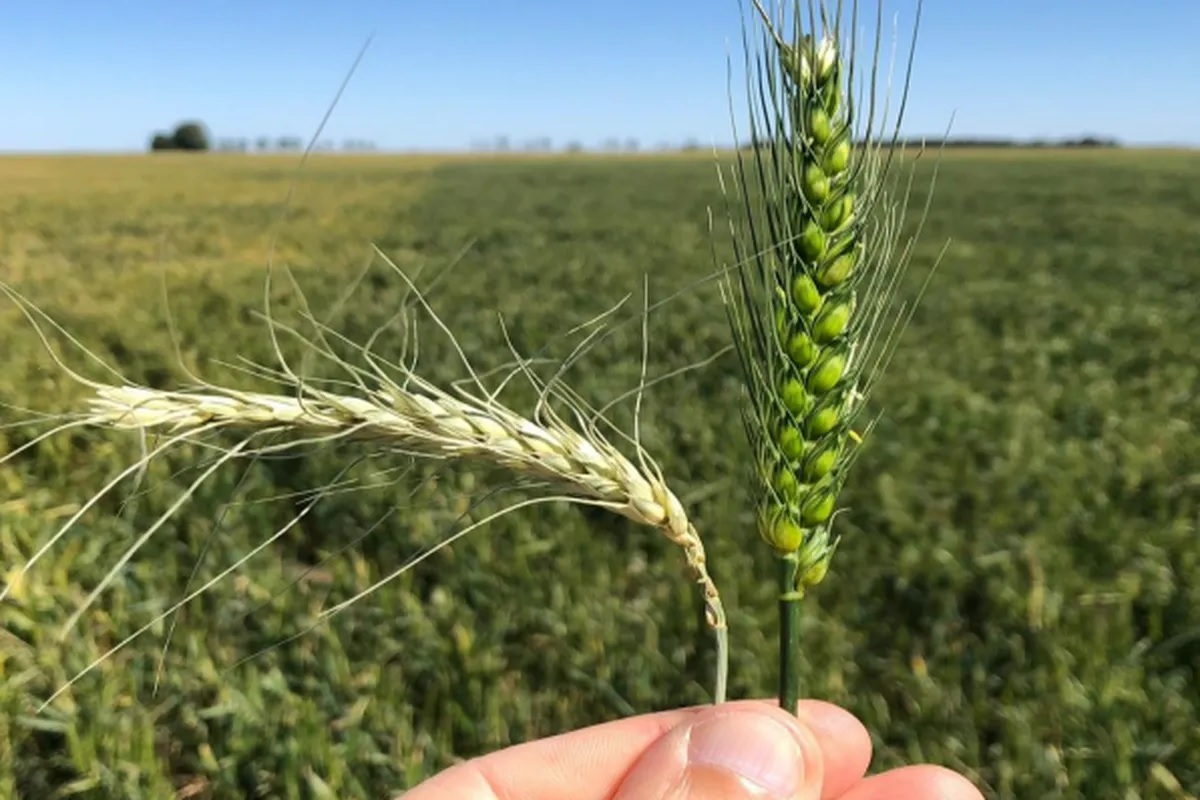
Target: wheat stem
point(789, 631)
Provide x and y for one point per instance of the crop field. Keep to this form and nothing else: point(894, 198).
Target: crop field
point(1017, 593)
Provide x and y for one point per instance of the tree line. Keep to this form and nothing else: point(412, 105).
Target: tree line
point(1089, 141)
point(194, 136)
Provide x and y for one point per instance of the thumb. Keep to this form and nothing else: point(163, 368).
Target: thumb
point(730, 753)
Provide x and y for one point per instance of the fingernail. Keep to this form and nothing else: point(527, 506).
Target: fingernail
point(753, 746)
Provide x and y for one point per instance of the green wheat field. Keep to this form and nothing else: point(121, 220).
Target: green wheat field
point(1017, 595)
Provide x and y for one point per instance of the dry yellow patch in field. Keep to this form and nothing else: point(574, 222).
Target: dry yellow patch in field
point(69, 217)
point(99, 234)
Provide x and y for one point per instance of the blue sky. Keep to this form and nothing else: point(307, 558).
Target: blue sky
point(92, 75)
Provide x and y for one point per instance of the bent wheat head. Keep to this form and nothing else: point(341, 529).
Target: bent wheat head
point(432, 423)
point(399, 413)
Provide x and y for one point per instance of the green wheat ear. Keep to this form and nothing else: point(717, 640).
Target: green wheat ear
point(811, 302)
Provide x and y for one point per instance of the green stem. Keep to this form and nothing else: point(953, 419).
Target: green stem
point(789, 633)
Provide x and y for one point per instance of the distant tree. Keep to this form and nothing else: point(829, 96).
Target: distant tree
point(574, 146)
point(162, 141)
point(289, 143)
point(632, 145)
point(1092, 141)
point(541, 144)
point(262, 144)
point(191, 136)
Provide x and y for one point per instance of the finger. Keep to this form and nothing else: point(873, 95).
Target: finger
point(924, 782)
point(845, 745)
point(590, 764)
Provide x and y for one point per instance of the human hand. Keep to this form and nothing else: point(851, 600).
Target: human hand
point(746, 750)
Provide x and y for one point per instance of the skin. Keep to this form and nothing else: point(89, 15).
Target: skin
point(822, 753)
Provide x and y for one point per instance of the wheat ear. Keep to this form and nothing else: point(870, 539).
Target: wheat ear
point(434, 424)
point(812, 313)
point(403, 414)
